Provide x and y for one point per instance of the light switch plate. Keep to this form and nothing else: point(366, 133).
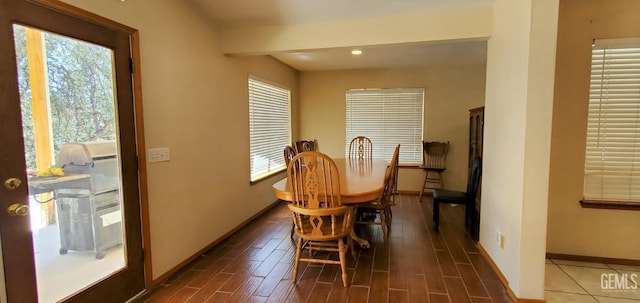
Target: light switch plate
point(160, 154)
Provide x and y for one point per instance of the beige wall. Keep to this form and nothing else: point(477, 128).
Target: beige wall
point(450, 91)
point(195, 103)
point(520, 70)
point(572, 229)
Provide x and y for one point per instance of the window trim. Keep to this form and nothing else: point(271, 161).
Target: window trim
point(621, 205)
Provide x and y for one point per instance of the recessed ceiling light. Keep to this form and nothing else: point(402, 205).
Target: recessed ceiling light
point(356, 52)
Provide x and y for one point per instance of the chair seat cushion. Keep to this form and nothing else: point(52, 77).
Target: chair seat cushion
point(449, 196)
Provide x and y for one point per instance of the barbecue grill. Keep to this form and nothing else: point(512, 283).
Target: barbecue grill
point(87, 197)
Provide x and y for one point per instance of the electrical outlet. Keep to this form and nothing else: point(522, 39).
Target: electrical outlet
point(501, 241)
point(158, 154)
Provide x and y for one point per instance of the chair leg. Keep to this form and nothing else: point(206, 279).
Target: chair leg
point(424, 184)
point(384, 224)
point(297, 261)
point(440, 180)
point(353, 251)
point(343, 261)
point(436, 214)
point(293, 228)
point(467, 213)
point(388, 222)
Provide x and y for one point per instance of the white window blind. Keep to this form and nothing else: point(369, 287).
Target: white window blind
point(612, 164)
point(388, 117)
point(269, 127)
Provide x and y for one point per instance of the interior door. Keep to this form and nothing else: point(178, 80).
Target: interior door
point(84, 215)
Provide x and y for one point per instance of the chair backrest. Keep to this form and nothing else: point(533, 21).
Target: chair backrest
point(396, 159)
point(390, 180)
point(435, 154)
point(474, 178)
point(315, 180)
point(289, 153)
point(361, 148)
point(316, 207)
point(306, 145)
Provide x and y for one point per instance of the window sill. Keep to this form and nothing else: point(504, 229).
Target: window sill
point(610, 205)
point(416, 166)
point(267, 176)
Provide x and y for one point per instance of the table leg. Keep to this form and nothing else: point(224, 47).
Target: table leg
point(363, 243)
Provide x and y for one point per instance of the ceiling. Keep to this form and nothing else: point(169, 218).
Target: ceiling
point(228, 14)
point(387, 56)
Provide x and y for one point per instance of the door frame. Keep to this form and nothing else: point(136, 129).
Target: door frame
point(134, 44)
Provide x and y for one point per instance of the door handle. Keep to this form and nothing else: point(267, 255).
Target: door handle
point(18, 210)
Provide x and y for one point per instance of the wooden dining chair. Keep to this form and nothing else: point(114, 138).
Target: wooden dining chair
point(289, 153)
point(360, 148)
point(434, 164)
point(306, 145)
point(394, 192)
point(381, 207)
point(466, 198)
point(322, 223)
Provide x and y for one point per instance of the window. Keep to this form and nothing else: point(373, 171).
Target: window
point(269, 127)
point(388, 117)
point(612, 163)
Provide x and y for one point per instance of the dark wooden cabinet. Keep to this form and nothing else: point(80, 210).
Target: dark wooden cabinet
point(476, 131)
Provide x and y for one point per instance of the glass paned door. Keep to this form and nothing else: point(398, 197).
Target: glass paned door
point(68, 162)
point(67, 96)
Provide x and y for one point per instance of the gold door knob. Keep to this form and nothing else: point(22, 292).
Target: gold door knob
point(18, 209)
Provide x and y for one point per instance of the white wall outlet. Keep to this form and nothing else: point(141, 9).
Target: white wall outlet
point(158, 154)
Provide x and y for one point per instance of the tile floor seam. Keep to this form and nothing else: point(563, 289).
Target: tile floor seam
point(438, 293)
point(569, 292)
point(583, 266)
point(224, 292)
point(447, 276)
point(481, 282)
point(616, 297)
point(574, 280)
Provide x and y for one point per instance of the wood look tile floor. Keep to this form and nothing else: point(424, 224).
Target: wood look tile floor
point(416, 265)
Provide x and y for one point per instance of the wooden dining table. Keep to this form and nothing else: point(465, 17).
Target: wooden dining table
point(361, 180)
